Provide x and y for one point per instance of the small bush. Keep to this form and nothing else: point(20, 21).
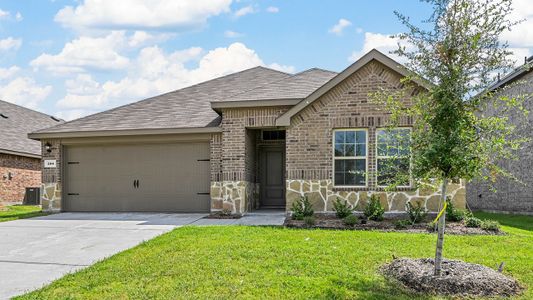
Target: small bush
point(472, 221)
point(225, 212)
point(416, 213)
point(363, 219)
point(490, 225)
point(373, 209)
point(402, 224)
point(452, 213)
point(342, 208)
point(309, 220)
point(302, 208)
point(431, 226)
point(350, 220)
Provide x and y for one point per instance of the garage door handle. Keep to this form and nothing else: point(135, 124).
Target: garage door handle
point(136, 183)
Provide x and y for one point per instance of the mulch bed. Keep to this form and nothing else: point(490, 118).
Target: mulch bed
point(222, 216)
point(332, 222)
point(458, 278)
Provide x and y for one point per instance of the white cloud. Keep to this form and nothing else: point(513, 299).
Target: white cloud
point(244, 11)
point(24, 91)
point(154, 72)
point(382, 42)
point(519, 54)
point(232, 34)
point(10, 43)
point(141, 38)
point(6, 73)
point(140, 14)
point(86, 53)
point(4, 14)
point(521, 37)
point(340, 26)
point(272, 9)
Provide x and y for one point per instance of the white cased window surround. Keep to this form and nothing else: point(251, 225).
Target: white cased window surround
point(350, 157)
point(393, 157)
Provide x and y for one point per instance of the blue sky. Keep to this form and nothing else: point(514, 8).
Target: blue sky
point(73, 58)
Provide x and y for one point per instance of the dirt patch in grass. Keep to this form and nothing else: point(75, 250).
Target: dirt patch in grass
point(458, 278)
point(332, 222)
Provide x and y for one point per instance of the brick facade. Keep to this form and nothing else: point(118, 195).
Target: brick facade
point(510, 195)
point(233, 157)
point(310, 136)
point(309, 146)
point(16, 174)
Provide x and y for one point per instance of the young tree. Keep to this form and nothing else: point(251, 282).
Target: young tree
point(458, 52)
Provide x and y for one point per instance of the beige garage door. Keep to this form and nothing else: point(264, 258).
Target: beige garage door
point(148, 177)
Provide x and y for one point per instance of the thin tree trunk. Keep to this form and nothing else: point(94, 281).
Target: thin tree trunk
point(441, 226)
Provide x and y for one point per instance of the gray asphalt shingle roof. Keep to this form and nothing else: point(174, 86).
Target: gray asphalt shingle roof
point(185, 108)
point(15, 124)
point(297, 86)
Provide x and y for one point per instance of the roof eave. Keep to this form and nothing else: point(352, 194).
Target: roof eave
point(128, 132)
point(19, 153)
point(285, 119)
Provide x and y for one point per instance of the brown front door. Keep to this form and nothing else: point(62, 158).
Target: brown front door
point(272, 176)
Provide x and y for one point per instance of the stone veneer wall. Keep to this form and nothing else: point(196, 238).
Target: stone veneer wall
point(51, 178)
point(233, 183)
point(322, 195)
point(309, 144)
point(16, 174)
point(509, 195)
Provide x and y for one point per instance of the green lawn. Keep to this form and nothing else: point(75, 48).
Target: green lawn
point(15, 212)
point(277, 263)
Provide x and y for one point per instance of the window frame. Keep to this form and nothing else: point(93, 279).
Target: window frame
point(334, 158)
point(388, 157)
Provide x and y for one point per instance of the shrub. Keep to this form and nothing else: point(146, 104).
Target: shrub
point(416, 213)
point(225, 212)
point(402, 224)
point(471, 221)
point(309, 220)
point(490, 225)
point(363, 219)
point(373, 209)
point(431, 226)
point(452, 213)
point(342, 208)
point(350, 220)
point(302, 208)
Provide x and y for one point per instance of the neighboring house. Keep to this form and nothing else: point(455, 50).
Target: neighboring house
point(20, 157)
point(508, 195)
point(259, 138)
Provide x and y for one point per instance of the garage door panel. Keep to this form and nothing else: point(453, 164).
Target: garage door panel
point(171, 177)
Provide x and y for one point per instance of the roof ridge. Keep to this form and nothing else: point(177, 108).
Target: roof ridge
point(28, 109)
point(318, 69)
point(281, 80)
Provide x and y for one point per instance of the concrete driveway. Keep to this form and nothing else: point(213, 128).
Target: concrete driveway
point(34, 252)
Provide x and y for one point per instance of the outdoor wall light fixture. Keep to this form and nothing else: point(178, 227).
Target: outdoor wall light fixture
point(48, 147)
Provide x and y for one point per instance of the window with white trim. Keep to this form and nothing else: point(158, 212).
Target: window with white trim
point(393, 157)
point(350, 157)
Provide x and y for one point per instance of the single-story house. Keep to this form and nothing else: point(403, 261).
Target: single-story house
point(509, 195)
point(20, 157)
point(254, 139)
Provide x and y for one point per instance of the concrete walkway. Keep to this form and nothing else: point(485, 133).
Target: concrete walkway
point(34, 252)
